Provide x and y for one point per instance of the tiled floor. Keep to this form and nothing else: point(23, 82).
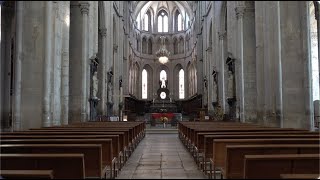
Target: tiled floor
point(160, 156)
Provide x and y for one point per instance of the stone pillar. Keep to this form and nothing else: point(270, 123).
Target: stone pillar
point(246, 66)
point(222, 92)
point(84, 11)
point(210, 80)
point(47, 69)
point(65, 69)
point(109, 43)
point(239, 67)
point(102, 73)
point(56, 64)
point(278, 58)
point(260, 45)
point(317, 16)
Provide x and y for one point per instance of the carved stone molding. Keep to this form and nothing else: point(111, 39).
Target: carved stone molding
point(222, 35)
point(84, 8)
point(240, 10)
point(115, 47)
point(103, 31)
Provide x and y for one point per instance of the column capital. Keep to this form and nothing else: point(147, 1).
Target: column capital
point(103, 31)
point(222, 35)
point(316, 7)
point(84, 8)
point(240, 10)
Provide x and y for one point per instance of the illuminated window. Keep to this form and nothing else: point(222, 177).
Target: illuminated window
point(181, 84)
point(163, 21)
point(163, 75)
point(144, 84)
point(146, 22)
point(179, 22)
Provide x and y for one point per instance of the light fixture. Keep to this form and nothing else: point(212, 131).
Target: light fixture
point(163, 53)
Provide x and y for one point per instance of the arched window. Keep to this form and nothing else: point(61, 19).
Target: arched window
point(150, 46)
point(144, 84)
point(146, 22)
point(144, 45)
point(181, 84)
point(163, 75)
point(138, 44)
point(180, 22)
point(175, 46)
point(163, 21)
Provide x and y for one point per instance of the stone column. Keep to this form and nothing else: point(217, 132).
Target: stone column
point(278, 58)
point(65, 69)
point(102, 73)
point(239, 67)
point(109, 43)
point(47, 69)
point(317, 16)
point(222, 36)
point(84, 11)
point(56, 64)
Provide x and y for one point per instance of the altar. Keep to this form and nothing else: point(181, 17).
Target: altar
point(164, 119)
point(163, 109)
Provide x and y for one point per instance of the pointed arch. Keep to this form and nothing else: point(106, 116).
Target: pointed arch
point(149, 82)
point(188, 78)
point(144, 45)
point(175, 46)
point(136, 78)
point(150, 45)
point(163, 21)
point(177, 79)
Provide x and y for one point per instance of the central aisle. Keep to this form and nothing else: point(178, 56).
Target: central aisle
point(160, 156)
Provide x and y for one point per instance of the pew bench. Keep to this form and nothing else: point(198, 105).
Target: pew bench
point(26, 174)
point(115, 141)
point(92, 154)
point(106, 144)
point(271, 166)
point(300, 176)
point(234, 164)
point(217, 161)
point(64, 166)
point(218, 154)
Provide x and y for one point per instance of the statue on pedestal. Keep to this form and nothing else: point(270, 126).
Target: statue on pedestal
point(95, 84)
point(110, 88)
point(163, 83)
point(215, 88)
point(205, 92)
point(94, 100)
point(230, 92)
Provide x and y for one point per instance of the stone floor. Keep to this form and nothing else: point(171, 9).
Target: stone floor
point(160, 156)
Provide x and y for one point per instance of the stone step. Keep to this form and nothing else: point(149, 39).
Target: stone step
point(161, 131)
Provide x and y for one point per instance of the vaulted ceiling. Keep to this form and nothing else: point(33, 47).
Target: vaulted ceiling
point(156, 6)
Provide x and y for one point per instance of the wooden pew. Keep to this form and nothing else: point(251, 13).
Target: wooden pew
point(64, 166)
point(207, 137)
point(114, 138)
point(219, 147)
point(234, 164)
point(209, 151)
point(106, 144)
point(271, 166)
point(128, 133)
point(92, 154)
point(26, 174)
point(122, 144)
point(299, 176)
point(123, 136)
